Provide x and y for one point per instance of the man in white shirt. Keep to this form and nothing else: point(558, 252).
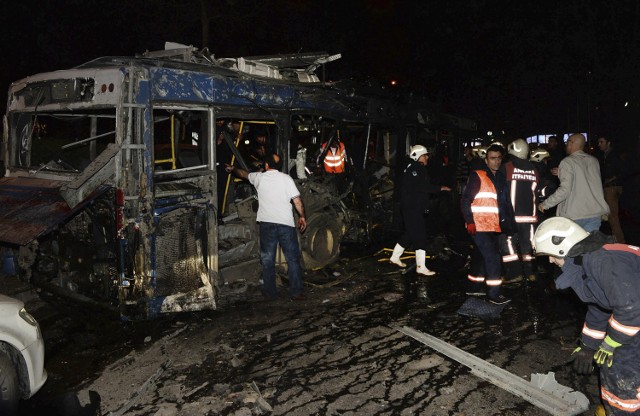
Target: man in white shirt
point(276, 192)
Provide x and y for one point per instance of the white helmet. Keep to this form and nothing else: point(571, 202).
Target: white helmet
point(416, 151)
point(556, 236)
point(539, 154)
point(480, 151)
point(519, 148)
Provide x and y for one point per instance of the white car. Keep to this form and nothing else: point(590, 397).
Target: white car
point(22, 370)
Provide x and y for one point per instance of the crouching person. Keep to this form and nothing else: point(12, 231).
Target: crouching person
point(606, 277)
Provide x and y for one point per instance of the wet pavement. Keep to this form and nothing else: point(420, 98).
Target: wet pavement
point(334, 354)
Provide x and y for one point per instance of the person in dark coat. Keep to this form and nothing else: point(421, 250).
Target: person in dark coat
point(613, 171)
point(414, 201)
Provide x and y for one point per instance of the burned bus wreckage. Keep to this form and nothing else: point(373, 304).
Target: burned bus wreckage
point(113, 187)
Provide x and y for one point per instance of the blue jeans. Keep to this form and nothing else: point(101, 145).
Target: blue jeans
point(271, 235)
point(589, 224)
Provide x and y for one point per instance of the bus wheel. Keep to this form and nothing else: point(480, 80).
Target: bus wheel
point(321, 241)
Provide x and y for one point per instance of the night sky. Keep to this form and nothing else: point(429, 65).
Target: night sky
point(526, 68)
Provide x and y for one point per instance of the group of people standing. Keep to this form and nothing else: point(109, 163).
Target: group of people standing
point(602, 271)
point(502, 202)
point(504, 193)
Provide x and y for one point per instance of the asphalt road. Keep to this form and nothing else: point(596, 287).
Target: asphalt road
point(333, 354)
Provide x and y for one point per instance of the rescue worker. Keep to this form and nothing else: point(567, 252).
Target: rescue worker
point(540, 157)
point(522, 181)
point(336, 164)
point(479, 156)
point(487, 212)
point(335, 158)
point(606, 277)
point(547, 186)
point(477, 263)
point(414, 201)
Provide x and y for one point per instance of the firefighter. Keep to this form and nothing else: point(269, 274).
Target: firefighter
point(522, 181)
point(479, 154)
point(606, 277)
point(414, 201)
point(547, 186)
point(487, 212)
point(540, 157)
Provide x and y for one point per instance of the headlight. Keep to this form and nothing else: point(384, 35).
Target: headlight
point(27, 317)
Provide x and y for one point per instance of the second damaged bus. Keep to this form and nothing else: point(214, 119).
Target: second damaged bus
point(113, 186)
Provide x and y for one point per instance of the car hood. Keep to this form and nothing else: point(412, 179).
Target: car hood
point(7, 300)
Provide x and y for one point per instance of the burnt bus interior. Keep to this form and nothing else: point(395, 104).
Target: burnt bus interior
point(126, 203)
point(61, 142)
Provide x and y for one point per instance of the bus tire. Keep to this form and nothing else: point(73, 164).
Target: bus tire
point(320, 243)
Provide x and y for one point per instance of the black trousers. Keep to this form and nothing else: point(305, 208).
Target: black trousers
point(415, 234)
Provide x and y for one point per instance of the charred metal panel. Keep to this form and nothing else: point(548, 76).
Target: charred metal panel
point(172, 85)
point(238, 242)
point(97, 173)
point(30, 208)
point(181, 278)
point(180, 86)
point(110, 78)
point(179, 256)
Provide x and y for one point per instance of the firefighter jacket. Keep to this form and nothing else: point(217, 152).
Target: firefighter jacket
point(522, 181)
point(335, 158)
point(547, 184)
point(608, 281)
point(486, 202)
point(416, 187)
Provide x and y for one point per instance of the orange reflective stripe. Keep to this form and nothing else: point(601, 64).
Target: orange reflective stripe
point(623, 247)
point(630, 405)
point(625, 329)
point(494, 282)
point(592, 333)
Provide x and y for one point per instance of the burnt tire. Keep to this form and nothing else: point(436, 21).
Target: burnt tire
point(9, 393)
point(320, 243)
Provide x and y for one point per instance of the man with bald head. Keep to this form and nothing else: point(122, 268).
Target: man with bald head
point(580, 196)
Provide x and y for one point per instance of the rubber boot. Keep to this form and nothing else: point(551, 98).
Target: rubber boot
point(420, 267)
point(395, 257)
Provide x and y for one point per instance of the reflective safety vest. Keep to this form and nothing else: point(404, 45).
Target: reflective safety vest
point(335, 159)
point(485, 205)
